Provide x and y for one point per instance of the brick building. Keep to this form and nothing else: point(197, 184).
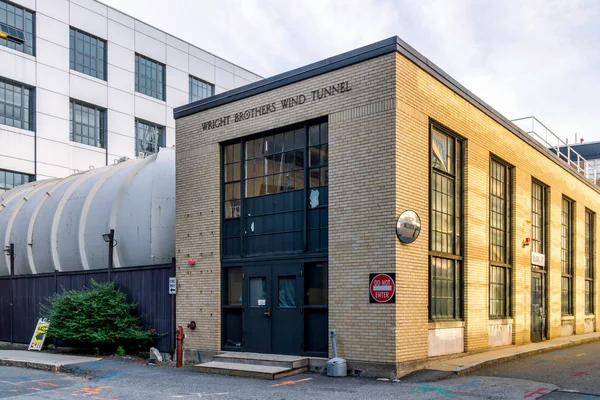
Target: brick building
point(288, 196)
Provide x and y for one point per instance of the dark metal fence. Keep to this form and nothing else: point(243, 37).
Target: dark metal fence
point(148, 286)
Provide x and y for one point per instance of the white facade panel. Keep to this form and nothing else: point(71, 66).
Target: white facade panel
point(52, 103)
point(202, 70)
point(121, 101)
point(53, 152)
point(170, 119)
point(54, 128)
point(53, 79)
point(201, 54)
point(121, 79)
point(88, 21)
point(119, 122)
point(170, 139)
point(150, 31)
point(120, 146)
point(219, 89)
point(150, 110)
point(16, 143)
point(52, 54)
point(83, 157)
point(93, 6)
point(121, 35)
point(52, 30)
point(121, 57)
point(88, 89)
point(239, 81)
point(247, 75)
point(57, 9)
point(177, 79)
point(224, 79)
point(121, 18)
point(227, 66)
point(17, 67)
point(52, 170)
point(25, 166)
point(177, 43)
point(177, 59)
point(176, 98)
point(150, 47)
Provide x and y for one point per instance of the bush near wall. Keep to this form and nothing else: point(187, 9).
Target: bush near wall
point(99, 317)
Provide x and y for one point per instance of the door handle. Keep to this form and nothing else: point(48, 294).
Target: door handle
point(268, 312)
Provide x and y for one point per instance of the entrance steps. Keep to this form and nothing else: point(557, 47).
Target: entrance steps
point(255, 365)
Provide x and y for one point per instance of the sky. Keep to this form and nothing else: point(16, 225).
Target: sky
point(523, 58)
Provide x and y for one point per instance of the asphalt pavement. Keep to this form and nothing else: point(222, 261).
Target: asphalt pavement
point(568, 374)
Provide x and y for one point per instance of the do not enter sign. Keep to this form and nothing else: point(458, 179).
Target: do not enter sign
point(382, 288)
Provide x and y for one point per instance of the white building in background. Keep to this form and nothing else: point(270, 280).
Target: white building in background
point(83, 85)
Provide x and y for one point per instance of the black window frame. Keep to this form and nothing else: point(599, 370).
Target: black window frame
point(162, 137)
point(4, 173)
point(198, 83)
point(74, 52)
point(567, 255)
point(454, 258)
point(161, 87)
point(4, 118)
point(590, 262)
point(101, 140)
point(500, 271)
point(28, 44)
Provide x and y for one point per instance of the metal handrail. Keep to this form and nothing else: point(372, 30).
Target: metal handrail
point(552, 142)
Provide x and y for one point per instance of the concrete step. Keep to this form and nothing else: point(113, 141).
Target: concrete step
point(248, 370)
point(273, 360)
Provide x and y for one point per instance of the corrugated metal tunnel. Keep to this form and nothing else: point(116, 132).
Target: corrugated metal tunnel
point(57, 224)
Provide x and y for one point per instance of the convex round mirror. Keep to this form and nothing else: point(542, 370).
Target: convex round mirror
point(408, 226)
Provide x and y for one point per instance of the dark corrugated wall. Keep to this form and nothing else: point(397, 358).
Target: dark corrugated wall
point(147, 286)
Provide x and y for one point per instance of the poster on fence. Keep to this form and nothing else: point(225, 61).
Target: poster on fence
point(37, 341)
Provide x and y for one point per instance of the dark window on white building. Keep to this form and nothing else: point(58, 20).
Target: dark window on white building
point(88, 124)
point(148, 137)
point(16, 105)
point(149, 77)
point(199, 89)
point(9, 180)
point(87, 54)
point(17, 26)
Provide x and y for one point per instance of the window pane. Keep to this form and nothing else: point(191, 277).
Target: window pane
point(234, 286)
point(15, 107)
point(258, 292)
point(149, 77)
point(149, 137)
point(316, 285)
point(199, 89)
point(87, 124)
point(87, 54)
point(287, 292)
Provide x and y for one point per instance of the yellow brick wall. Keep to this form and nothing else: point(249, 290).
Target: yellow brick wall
point(419, 94)
point(379, 160)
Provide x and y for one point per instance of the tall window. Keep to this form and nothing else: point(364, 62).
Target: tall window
point(590, 234)
point(148, 137)
point(500, 239)
point(88, 124)
point(88, 54)
point(567, 256)
point(199, 89)
point(9, 180)
point(538, 223)
point(149, 77)
point(16, 24)
point(445, 239)
point(232, 173)
point(16, 105)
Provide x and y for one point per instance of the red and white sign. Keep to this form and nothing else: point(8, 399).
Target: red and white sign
point(382, 288)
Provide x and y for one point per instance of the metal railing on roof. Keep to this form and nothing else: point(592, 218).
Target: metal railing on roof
point(559, 148)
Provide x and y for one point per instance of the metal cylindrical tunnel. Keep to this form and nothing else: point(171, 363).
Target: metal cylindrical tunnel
point(57, 224)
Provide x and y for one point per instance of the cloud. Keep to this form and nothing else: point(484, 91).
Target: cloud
point(535, 57)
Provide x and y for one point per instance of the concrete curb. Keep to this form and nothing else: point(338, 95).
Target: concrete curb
point(31, 365)
point(503, 359)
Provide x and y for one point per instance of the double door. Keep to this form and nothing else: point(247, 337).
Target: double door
point(272, 308)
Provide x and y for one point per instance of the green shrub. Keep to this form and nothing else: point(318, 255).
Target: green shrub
point(120, 351)
point(97, 317)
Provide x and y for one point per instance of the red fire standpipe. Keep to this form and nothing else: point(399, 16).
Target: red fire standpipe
point(179, 337)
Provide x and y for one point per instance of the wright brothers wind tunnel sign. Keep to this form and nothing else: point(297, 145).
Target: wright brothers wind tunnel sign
point(269, 108)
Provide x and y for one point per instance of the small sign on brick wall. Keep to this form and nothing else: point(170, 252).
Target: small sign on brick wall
point(382, 288)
